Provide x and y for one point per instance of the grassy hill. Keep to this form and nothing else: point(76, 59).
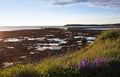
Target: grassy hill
point(101, 59)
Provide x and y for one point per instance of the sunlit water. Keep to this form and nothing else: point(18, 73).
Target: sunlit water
point(11, 28)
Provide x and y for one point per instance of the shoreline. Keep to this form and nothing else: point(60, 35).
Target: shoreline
point(89, 27)
point(29, 46)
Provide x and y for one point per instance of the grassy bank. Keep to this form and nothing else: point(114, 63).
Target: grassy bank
point(101, 59)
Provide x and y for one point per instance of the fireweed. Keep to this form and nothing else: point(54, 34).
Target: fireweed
point(86, 63)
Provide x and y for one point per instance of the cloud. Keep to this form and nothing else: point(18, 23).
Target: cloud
point(99, 3)
point(67, 2)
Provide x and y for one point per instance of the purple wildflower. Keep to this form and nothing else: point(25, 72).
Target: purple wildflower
point(98, 62)
point(118, 56)
point(84, 63)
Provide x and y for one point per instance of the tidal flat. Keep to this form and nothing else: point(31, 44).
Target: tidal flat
point(31, 46)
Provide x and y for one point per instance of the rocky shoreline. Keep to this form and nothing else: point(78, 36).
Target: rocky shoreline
point(31, 46)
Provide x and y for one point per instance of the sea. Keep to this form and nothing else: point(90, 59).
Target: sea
point(12, 28)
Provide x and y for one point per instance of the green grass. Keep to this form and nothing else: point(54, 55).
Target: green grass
point(107, 45)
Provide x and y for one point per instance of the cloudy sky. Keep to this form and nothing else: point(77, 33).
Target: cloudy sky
point(58, 12)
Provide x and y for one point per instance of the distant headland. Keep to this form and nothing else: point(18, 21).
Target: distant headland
point(118, 24)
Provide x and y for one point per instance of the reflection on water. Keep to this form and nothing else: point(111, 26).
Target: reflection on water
point(103, 28)
point(78, 37)
point(46, 44)
point(12, 40)
point(52, 43)
point(89, 42)
point(10, 47)
point(23, 57)
point(60, 41)
point(91, 38)
point(46, 47)
point(32, 53)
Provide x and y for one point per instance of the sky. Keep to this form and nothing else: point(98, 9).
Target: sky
point(58, 12)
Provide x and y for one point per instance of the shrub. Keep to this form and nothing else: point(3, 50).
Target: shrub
point(28, 74)
point(110, 35)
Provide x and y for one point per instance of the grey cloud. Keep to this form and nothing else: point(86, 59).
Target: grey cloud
point(106, 3)
point(67, 2)
point(98, 3)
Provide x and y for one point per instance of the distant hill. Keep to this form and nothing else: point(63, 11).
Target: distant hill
point(92, 24)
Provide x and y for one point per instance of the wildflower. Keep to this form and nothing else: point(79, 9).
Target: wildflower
point(98, 62)
point(84, 63)
point(118, 56)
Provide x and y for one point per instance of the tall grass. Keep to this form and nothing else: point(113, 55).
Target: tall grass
point(78, 64)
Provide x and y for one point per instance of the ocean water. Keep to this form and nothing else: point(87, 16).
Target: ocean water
point(11, 28)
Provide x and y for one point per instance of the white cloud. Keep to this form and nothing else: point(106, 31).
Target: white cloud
point(99, 3)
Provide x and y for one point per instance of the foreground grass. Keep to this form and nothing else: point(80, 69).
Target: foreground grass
point(101, 59)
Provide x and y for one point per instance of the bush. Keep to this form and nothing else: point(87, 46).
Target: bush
point(110, 35)
point(63, 72)
point(28, 74)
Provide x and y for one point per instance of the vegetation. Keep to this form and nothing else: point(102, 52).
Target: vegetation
point(101, 59)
